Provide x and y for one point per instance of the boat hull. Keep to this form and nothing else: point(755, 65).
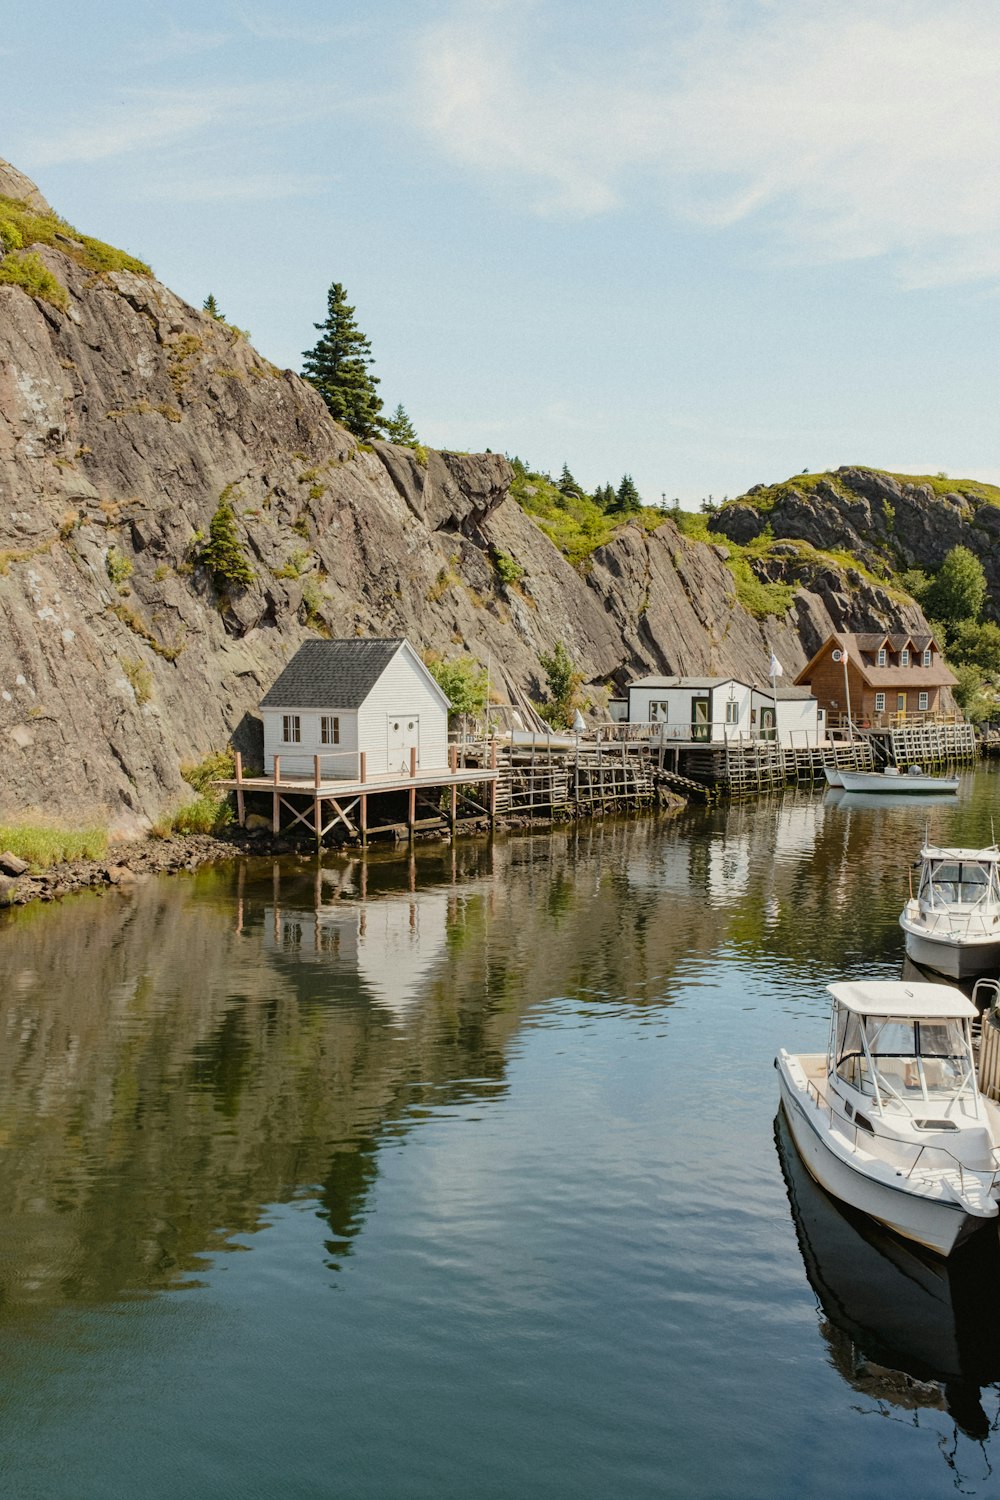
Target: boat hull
point(877, 781)
point(833, 778)
point(957, 960)
point(937, 1225)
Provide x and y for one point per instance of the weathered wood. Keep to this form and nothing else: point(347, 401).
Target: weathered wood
point(276, 803)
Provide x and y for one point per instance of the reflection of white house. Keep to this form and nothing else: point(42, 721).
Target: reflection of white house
point(342, 699)
point(801, 721)
point(393, 945)
point(691, 708)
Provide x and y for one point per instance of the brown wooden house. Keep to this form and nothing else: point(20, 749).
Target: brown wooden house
point(890, 679)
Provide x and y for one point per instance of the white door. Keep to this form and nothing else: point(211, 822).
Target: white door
point(404, 736)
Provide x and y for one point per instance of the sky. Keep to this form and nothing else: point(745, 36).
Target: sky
point(709, 243)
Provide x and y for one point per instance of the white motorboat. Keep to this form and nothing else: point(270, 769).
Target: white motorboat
point(890, 1119)
point(913, 780)
point(952, 924)
point(833, 776)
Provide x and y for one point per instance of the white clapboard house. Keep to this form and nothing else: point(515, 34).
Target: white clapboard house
point(690, 708)
point(342, 699)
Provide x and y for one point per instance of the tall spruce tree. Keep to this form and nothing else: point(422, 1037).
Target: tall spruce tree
point(338, 366)
point(399, 428)
point(212, 308)
point(627, 500)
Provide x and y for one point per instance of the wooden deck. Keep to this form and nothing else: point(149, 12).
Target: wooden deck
point(322, 803)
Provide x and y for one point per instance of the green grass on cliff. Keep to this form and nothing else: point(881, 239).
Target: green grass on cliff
point(575, 523)
point(21, 228)
point(974, 490)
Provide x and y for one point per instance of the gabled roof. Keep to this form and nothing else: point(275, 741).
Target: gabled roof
point(856, 643)
point(335, 674)
point(790, 694)
point(683, 682)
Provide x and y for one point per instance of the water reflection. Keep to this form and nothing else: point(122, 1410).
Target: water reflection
point(906, 1330)
point(180, 1057)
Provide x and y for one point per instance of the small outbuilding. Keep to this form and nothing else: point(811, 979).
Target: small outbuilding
point(789, 714)
point(347, 698)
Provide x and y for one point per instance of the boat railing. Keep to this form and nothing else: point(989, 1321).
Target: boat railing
point(862, 1135)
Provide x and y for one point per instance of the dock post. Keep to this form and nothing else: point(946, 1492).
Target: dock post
point(453, 767)
point(363, 777)
point(276, 798)
point(493, 783)
point(241, 812)
point(317, 801)
point(413, 792)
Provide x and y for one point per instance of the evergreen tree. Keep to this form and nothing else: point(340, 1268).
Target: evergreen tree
point(212, 308)
point(337, 365)
point(567, 484)
point(604, 496)
point(399, 428)
point(627, 500)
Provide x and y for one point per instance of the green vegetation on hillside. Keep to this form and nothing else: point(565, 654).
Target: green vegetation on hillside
point(765, 497)
point(339, 366)
point(576, 522)
point(463, 681)
point(21, 228)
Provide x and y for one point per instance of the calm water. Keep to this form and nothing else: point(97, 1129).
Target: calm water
point(456, 1176)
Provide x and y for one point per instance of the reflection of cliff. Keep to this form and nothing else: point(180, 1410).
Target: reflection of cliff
point(902, 1328)
point(177, 1058)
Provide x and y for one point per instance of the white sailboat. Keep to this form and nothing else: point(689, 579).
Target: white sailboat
point(952, 924)
point(890, 1119)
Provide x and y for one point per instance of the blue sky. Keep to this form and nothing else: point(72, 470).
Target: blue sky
point(709, 243)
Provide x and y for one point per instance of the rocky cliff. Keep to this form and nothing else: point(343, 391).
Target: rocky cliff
point(126, 416)
point(890, 522)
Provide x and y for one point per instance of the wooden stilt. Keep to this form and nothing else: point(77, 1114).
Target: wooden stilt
point(413, 791)
point(241, 812)
point(317, 801)
point(493, 783)
point(276, 798)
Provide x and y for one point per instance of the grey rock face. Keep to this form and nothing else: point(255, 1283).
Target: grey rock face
point(123, 423)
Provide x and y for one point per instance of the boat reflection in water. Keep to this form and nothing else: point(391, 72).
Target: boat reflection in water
point(902, 1327)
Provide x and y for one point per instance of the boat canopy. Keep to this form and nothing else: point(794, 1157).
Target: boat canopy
point(893, 997)
point(990, 855)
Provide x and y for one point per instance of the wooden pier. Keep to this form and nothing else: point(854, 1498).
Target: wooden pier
point(452, 798)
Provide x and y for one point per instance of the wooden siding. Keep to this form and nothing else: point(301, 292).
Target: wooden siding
point(340, 761)
point(680, 711)
point(404, 690)
point(827, 683)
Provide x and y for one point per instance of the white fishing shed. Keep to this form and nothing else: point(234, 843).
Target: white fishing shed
point(342, 699)
point(800, 720)
point(691, 708)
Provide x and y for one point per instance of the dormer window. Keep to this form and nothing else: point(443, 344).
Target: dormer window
point(928, 654)
point(880, 660)
point(904, 657)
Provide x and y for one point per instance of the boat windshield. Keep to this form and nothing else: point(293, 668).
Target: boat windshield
point(964, 882)
point(903, 1060)
point(920, 1060)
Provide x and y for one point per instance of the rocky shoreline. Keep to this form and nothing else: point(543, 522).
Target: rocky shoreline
point(126, 863)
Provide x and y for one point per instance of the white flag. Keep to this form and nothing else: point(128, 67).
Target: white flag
point(775, 669)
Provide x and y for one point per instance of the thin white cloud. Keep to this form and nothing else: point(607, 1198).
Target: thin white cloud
point(147, 119)
point(865, 129)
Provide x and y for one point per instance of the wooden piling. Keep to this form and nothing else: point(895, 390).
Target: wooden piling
point(241, 812)
point(276, 798)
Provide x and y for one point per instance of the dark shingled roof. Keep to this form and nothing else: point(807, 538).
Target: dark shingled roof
point(331, 674)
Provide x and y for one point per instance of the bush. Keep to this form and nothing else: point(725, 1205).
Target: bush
point(21, 225)
point(508, 570)
point(463, 680)
point(563, 680)
point(220, 765)
point(119, 567)
point(140, 678)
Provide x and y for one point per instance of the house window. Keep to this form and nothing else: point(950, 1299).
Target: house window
point(904, 657)
point(291, 729)
point(329, 731)
point(922, 703)
point(927, 656)
point(901, 703)
point(880, 662)
point(880, 703)
point(732, 712)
